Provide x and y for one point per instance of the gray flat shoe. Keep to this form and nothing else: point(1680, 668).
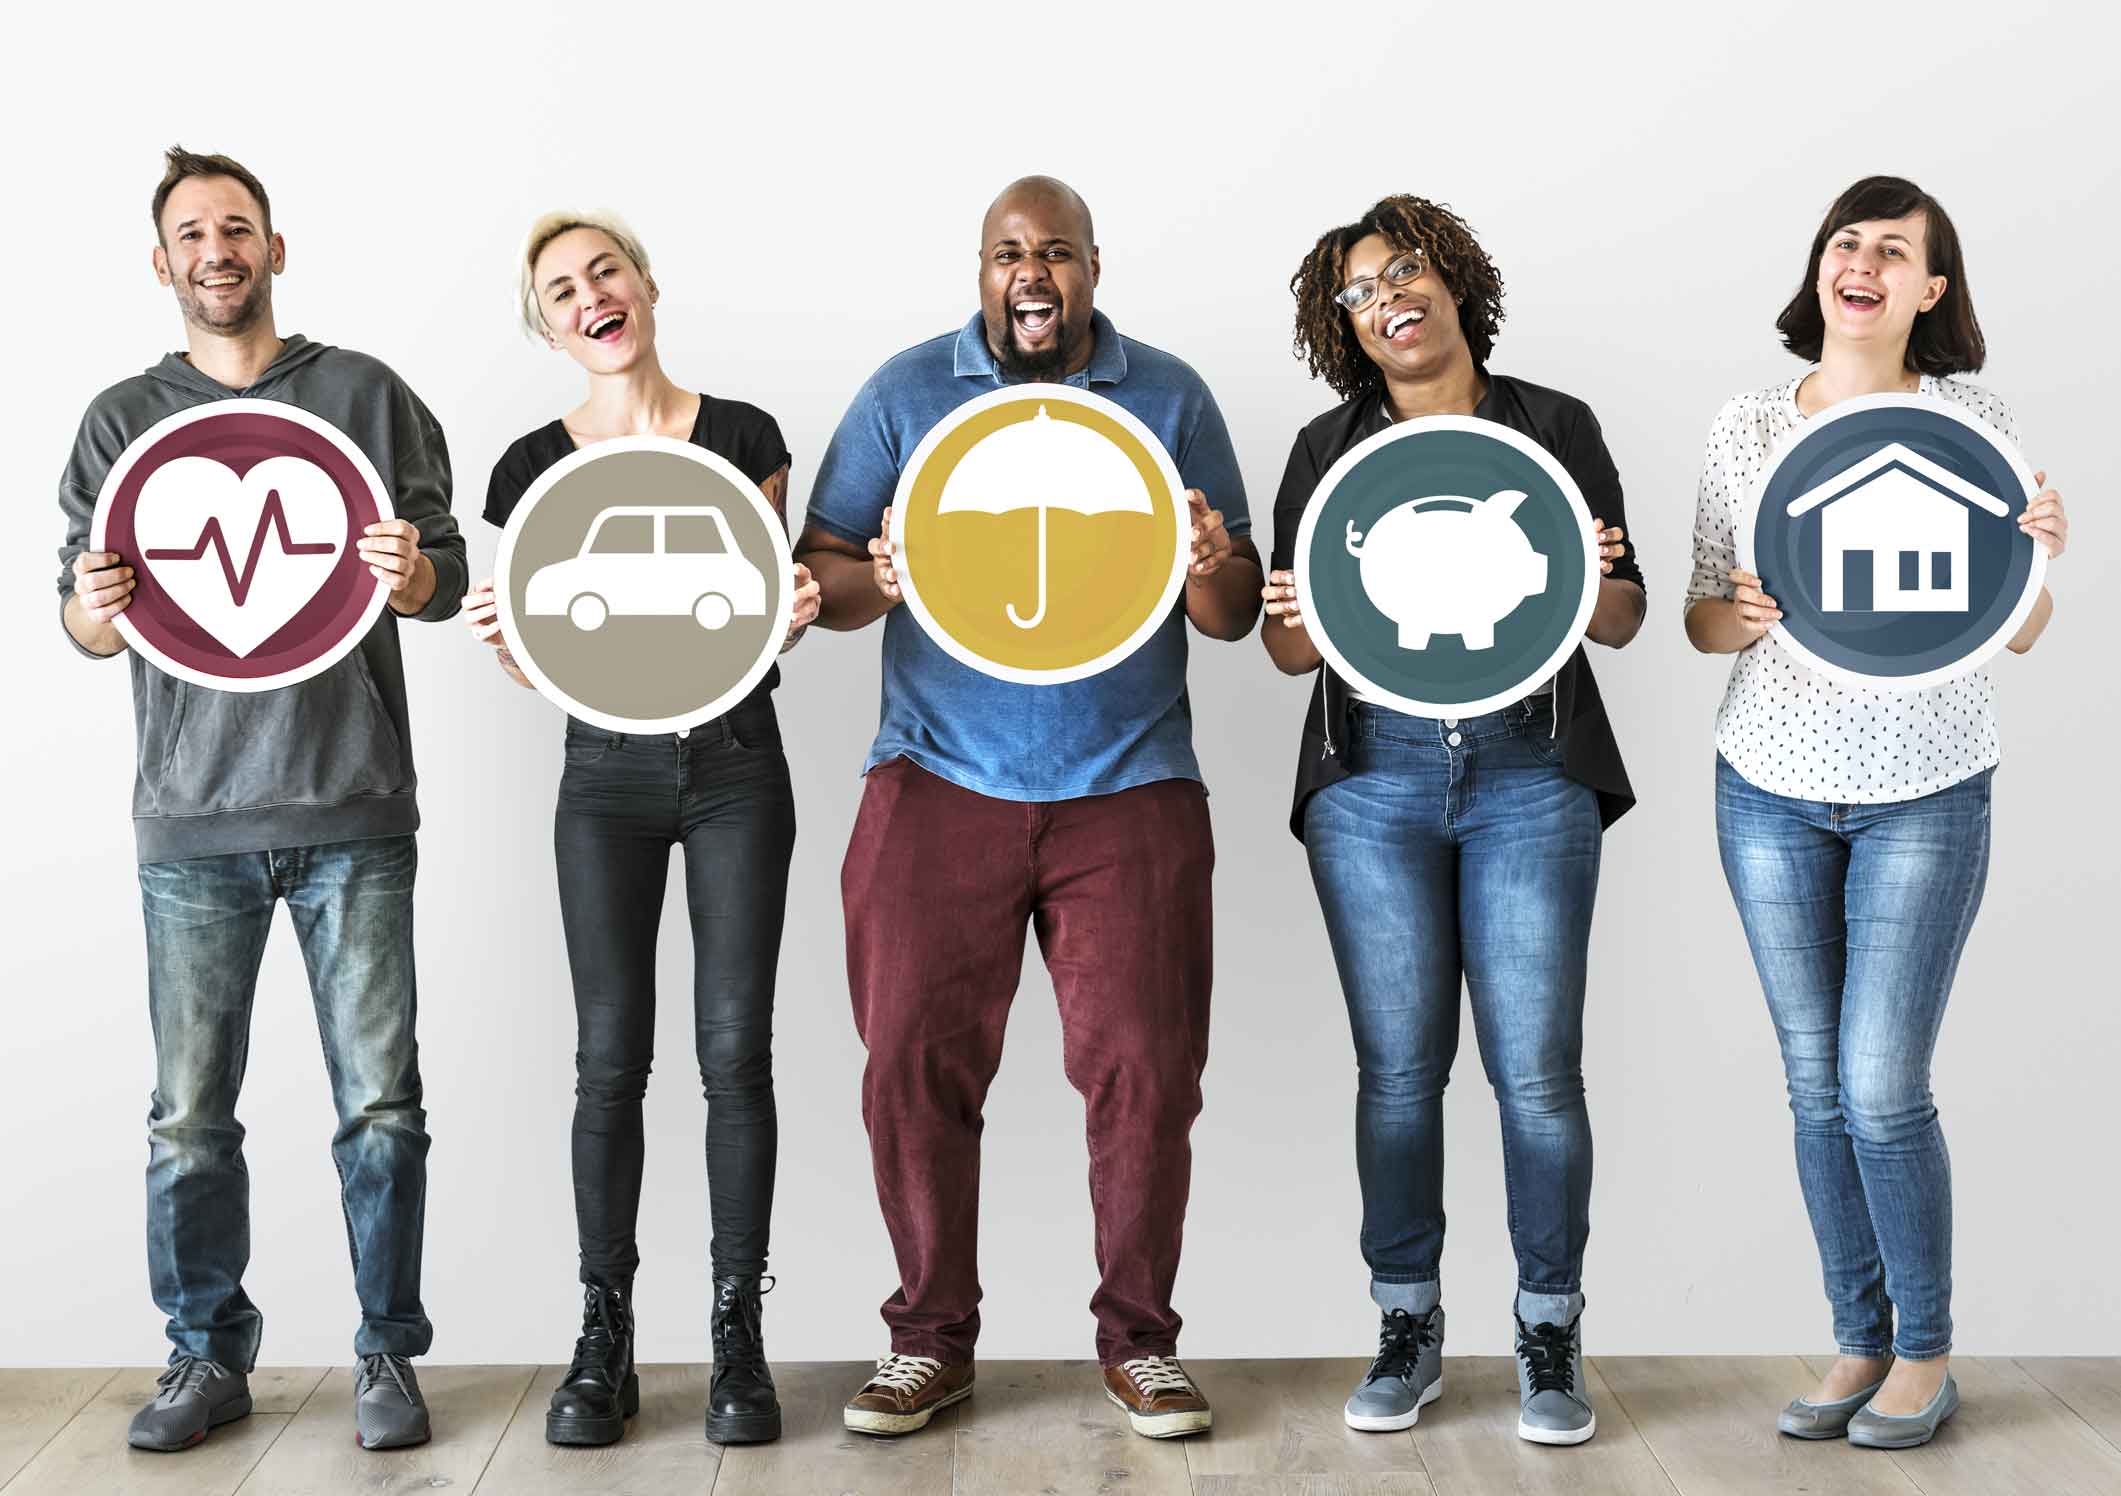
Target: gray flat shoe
point(1886, 1431)
point(1803, 1419)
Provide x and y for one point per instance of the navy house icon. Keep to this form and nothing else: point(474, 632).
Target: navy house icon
point(1894, 534)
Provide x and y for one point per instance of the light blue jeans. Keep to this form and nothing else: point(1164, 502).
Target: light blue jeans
point(207, 921)
point(1857, 915)
point(1458, 851)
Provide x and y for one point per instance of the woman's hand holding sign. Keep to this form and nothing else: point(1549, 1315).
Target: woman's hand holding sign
point(2044, 520)
point(807, 597)
point(482, 615)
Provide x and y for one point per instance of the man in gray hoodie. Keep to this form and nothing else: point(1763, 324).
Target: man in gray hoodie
point(302, 794)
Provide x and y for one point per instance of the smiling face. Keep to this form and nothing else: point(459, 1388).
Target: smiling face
point(218, 255)
point(596, 303)
point(1410, 331)
point(1038, 274)
point(1874, 280)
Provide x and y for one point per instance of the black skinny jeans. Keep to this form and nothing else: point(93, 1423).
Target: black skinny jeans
point(722, 793)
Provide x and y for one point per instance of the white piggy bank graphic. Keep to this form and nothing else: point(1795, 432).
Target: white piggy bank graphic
point(1449, 571)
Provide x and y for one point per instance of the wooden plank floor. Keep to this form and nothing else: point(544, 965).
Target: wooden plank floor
point(1667, 1426)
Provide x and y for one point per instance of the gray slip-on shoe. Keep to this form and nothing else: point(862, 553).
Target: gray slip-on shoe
point(1804, 1419)
point(389, 1412)
point(192, 1396)
point(1554, 1405)
point(1889, 1431)
point(1406, 1376)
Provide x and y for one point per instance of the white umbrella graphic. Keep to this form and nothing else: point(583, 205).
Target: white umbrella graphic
point(1044, 464)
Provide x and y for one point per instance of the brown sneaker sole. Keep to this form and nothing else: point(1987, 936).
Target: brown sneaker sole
point(864, 1421)
point(1165, 1425)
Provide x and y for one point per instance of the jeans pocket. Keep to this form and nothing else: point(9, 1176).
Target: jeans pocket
point(755, 729)
point(587, 746)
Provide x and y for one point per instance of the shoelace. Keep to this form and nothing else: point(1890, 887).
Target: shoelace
point(374, 1369)
point(1155, 1374)
point(907, 1374)
point(594, 1345)
point(737, 1336)
point(1400, 1344)
point(185, 1374)
point(1549, 1353)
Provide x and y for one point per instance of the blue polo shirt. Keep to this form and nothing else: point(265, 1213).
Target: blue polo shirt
point(1125, 726)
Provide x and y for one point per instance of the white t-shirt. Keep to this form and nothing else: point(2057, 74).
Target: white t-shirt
point(1788, 729)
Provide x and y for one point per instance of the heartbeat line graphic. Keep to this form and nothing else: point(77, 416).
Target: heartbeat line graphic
point(273, 517)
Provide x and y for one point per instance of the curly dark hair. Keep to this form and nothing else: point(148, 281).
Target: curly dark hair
point(1325, 338)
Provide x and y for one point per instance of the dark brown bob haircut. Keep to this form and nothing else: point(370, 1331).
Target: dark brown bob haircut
point(1325, 339)
point(179, 164)
point(1946, 339)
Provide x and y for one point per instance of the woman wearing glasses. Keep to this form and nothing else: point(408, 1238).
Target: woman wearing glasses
point(719, 792)
point(1854, 823)
point(1424, 884)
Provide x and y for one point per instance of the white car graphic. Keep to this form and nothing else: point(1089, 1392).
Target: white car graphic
point(651, 561)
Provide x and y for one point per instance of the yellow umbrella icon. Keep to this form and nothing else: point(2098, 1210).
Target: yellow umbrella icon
point(1044, 464)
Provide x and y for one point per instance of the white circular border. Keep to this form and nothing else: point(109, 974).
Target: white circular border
point(138, 448)
point(504, 594)
point(1403, 431)
point(1182, 549)
point(1966, 664)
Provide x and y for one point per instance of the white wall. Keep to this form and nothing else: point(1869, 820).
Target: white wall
point(810, 182)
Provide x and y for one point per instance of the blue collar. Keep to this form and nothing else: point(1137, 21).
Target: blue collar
point(1108, 357)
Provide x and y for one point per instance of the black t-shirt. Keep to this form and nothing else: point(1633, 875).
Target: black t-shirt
point(744, 434)
point(1564, 426)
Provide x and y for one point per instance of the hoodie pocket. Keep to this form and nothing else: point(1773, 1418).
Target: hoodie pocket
point(320, 742)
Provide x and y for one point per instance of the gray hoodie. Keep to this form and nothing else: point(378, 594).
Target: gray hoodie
point(328, 759)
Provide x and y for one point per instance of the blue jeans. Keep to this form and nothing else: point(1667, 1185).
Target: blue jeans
point(1457, 849)
point(207, 921)
point(1856, 915)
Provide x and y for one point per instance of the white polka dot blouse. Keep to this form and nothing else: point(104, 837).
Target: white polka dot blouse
point(1783, 726)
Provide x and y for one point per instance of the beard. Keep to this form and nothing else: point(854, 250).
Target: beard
point(1043, 366)
point(227, 321)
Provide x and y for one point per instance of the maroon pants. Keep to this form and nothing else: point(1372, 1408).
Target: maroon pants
point(939, 885)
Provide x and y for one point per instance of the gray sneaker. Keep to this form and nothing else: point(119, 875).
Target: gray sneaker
point(389, 1412)
point(1905, 1430)
point(1406, 1376)
point(191, 1397)
point(1554, 1405)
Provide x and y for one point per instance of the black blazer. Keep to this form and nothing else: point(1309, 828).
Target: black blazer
point(1563, 425)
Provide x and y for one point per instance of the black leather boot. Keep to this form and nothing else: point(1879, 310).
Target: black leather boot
point(742, 1407)
point(600, 1391)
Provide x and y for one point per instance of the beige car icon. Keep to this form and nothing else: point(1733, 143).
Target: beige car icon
point(650, 561)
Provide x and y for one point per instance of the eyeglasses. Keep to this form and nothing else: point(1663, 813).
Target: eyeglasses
point(1356, 294)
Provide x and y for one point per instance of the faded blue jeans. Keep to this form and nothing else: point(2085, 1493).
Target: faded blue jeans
point(1458, 850)
point(207, 921)
point(1856, 915)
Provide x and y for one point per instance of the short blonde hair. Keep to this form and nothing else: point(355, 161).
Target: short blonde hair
point(548, 228)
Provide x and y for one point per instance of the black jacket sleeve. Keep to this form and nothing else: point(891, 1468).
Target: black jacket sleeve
point(1299, 480)
point(1584, 454)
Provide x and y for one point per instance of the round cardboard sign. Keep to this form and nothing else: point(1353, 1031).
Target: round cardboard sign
point(1446, 566)
point(1043, 534)
point(240, 519)
point(1887, 533)
point(644, 584)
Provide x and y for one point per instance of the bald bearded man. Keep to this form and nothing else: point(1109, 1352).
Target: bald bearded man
point(1075, 810)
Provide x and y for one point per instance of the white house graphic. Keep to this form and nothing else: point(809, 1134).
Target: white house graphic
point(1894, 536)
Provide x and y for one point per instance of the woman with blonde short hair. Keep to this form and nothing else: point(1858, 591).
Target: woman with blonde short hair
point(721, 793)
